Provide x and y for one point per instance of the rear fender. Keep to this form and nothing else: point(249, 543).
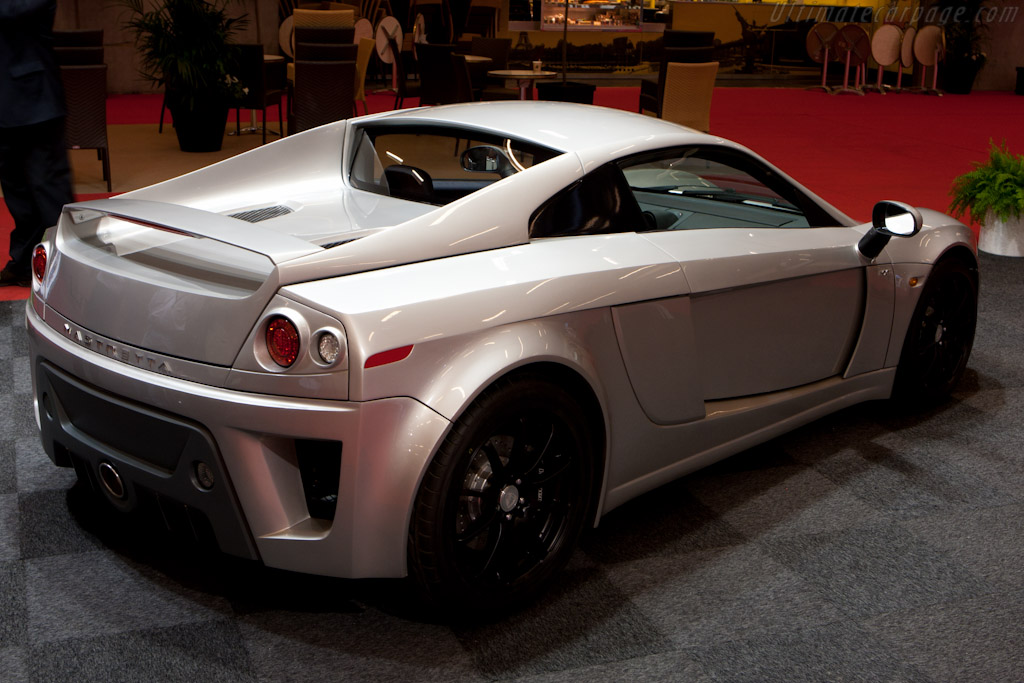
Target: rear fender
point(452, 373)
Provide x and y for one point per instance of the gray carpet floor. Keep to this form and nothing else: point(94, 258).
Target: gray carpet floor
point(866, 546)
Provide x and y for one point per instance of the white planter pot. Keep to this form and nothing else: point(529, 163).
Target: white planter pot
point(1002, 239)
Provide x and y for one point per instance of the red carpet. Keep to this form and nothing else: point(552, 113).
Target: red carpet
point(851, 150)
point(855, 150)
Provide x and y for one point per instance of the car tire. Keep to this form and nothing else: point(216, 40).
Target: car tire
point(940, 335)
point(504, 500)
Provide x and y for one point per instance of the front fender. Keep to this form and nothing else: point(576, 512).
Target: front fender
point(939, 234)
point(913, 259)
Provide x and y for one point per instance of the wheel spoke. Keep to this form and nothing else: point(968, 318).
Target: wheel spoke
point(551, 471)
point(488, 517)
point(535, 538)
point(553, 507)
point(490, 553)
point(491, 453)
point(530, 445)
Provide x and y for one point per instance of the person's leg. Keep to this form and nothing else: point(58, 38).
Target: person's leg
point(14, 182)
point(48, 177)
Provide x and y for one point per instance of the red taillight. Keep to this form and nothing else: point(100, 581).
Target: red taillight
point(282, 341)
point(385, 357)
point(39, 262)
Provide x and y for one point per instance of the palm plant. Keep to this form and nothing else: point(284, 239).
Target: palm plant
point(964, 30)
point(186, 48)
point(964, 27)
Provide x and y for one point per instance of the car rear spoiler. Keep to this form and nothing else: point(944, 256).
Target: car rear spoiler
point(276, 246)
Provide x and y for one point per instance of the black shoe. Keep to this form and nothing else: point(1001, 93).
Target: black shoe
point(8, 278)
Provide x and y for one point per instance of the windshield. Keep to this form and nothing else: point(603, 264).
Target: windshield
point(434, 165)
point(700, 177)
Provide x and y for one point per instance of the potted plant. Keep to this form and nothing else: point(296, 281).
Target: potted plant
point(186, 47)
point(993, 195)
point(962, 24)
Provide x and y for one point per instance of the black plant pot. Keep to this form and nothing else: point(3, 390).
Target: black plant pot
point(569, 91)
point(958, 76)
point(200, 128)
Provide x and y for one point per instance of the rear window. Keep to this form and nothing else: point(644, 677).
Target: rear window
point(429, 164)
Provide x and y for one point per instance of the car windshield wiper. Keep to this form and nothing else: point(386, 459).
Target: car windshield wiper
point(718, 194)
point(676, 189)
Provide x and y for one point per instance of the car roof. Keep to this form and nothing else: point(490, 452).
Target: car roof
point(564, 126)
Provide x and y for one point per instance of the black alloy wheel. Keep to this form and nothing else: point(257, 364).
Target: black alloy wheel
point(940, 336)
point(505, 499)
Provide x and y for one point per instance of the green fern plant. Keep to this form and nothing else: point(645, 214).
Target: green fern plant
point(996, 186)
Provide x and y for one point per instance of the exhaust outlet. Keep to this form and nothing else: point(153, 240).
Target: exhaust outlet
point(111, 480)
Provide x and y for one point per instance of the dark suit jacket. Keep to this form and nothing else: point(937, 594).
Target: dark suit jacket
point(30, 85)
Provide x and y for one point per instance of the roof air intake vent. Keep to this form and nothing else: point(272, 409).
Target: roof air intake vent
point(264, 214)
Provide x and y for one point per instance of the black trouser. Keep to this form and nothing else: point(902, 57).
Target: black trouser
point(36, 181)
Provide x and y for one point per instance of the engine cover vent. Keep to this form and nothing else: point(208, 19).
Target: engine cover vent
point(264, 214)
point(338, 243)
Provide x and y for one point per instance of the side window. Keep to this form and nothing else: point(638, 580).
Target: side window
point(424, 163)
point(694, 188)
point(601, 202)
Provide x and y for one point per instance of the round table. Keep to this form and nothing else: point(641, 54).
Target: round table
point(525, 78)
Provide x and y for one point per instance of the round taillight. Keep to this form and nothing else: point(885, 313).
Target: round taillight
point(39, 262)
point(282, 341)
point(329, 348)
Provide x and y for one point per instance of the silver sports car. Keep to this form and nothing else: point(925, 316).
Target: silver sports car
point(440, 342)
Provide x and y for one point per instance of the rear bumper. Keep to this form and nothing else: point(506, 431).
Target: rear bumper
point(139, 458)
point(154, 429)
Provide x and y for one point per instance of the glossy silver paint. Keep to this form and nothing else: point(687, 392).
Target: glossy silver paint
point(696, 344)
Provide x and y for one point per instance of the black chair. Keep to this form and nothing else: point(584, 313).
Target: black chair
point(497, 49)
point(485, 87)
point(462, 86)
point(437, 73)
point(78, 56)
point(483, 18)
point(679, 46)
point(403, 87)
point(437, 16)
point(264, 86)
point(324, 92)
point(85, 124)
point(84, 37)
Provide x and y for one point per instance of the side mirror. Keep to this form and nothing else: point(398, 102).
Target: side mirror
point(487, 159)
point(889, 219)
